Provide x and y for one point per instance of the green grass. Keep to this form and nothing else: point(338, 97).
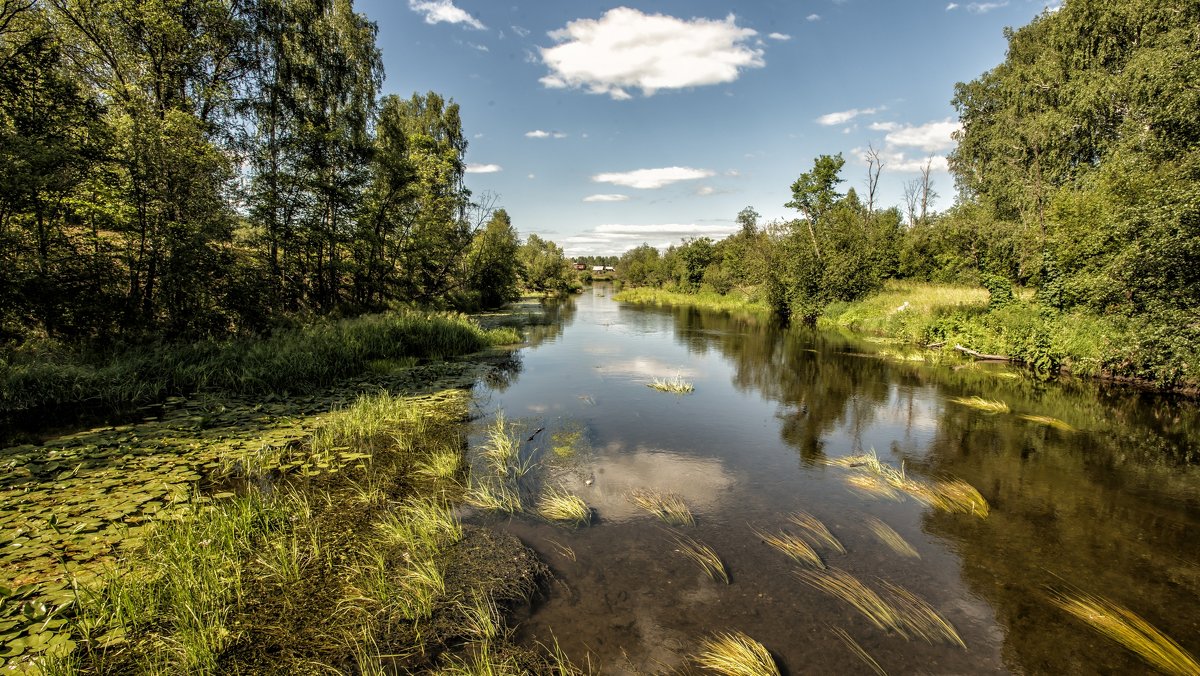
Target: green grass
point(734, 302)
point(667, 506)
point(1130, 630)
point(559, 505)
point(43, 375)
point(736, 654)
point(674, 385)
point(704, 555)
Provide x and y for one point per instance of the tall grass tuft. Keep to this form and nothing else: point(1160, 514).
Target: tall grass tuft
point(676, 385)
point(991, 406)
point(891, 538)
point(667, 506)
point(736, 654)
point(797, 548)
point(1049, 422)
point(816, 530)
point(559, 505)
point(1130, 630)
point(842, 585)
point(703, 555)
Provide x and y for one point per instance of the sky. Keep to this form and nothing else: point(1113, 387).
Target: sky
point(605, 126)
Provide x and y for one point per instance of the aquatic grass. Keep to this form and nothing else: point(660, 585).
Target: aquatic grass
point(704, 555)
point(816, 530)
point(493, 496)
point(667, 506)
point(795, 547)
point(1129, 629)
point(502, 448)
point(858, 650)
point(921, 619)
point(1049, 422)
point(891, 538)
point(873, 485)
point(951, 495)
point(565, 442)
point(844, 586)
point(558, 505)
point(562, 550)
point(676, 385)
point(421, 525)
point(877, 478)
point(736, 654)
point(991, 406)
point(441, 465)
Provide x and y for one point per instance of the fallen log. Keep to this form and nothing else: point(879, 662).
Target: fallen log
point(982, 356)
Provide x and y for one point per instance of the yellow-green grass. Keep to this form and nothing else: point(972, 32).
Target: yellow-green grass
point(732, 302)
point(844, 586)
point(858, 650)
point(704, 555)
point(1048, 421)
point(667, 506)
point(559, 505)
point(991, 406)
point(816, 531)
point(920, 618)
point(1130, 630)
point(877, 478)
point(891, 538)
point(736, 654)
point(494, 495)
point(676, 385)
point(795, 547)
point(502, 448)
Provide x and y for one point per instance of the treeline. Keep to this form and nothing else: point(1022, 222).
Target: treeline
point(174, 168)
point(1078, 176)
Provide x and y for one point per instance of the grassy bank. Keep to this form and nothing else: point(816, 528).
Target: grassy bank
point(37, 377)
point(732, 302)
point(341, 554)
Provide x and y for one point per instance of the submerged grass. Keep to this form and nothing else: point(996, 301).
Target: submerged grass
point(991, 406)
point(877, 478)
point(676, 385)
point(1049, 422)
point(797, 548)
point(704, 555)
point(1130, 630)
point(891, 538)
point(897, 610)
point(736, 654)
point(559, 505)
point(858, 650)
point(667, 506)
point(814, 529)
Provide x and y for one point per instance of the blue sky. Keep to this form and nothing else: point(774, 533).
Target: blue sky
point(602, 126)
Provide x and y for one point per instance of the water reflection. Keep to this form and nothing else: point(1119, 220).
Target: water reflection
point(1110, 508)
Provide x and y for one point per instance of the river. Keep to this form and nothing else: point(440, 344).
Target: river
point(1092, 490)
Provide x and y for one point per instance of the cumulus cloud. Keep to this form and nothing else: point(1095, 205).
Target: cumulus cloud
point(813, 17)
point(932, 137)
point(626, 49)
point(985, 7)
point(780, 36)
point(612, 239)
point(649, 179)
point(483, 168)
point(843, 116)
point(538, 133)
point(444, 11)
point(610, 197)
point(953, 5)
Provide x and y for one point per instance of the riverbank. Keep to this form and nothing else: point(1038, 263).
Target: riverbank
point(1041, 338)
point(51, 376)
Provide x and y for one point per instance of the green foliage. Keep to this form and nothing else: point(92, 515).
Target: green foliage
point(1000, 292)
point(544, 268)
point(493, 270)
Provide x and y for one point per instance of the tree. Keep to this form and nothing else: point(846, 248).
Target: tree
point(492, 266)
point(874, 167)
point(545, 268)
point(814, 193)
point(640, 266)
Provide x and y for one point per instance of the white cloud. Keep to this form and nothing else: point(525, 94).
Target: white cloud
point(611, 197)
point(523, 32)
point(649, 179)
point(705, 190)
point(537, 133)
point(627, 49)
point(611, 239)
point(444, 11)
point(843, 116)
point(896, 159)
point(932, 137)
point(813, 17)
point(483, 168)
point(482, 48)
point(883, 126)
point(985, 7)
point(953, 5)
point(780, 36)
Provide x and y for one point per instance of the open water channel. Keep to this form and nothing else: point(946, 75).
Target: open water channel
point(1092, 490)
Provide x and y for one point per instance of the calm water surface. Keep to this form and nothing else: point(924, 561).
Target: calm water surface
point(1112, 508)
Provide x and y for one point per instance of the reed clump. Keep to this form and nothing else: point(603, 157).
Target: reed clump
point(736, 654)
point(676, 385)
point(1130, 630)
point(667, 506)
point(878, 478)
point(704, 555)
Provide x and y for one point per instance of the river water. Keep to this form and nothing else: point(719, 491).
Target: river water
point(1095, 491)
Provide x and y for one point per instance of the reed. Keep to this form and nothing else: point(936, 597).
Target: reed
point(1130, 630)
point(676, 385)
point(797, 548)
point(858, 650)
point(990, 406)
point(667, 506)
point(736, 654)
point(703, 555)
point(559, 505)
point(891, 538)
point(816, 530)
point(1049, 422)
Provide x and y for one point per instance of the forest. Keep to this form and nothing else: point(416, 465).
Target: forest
point(213, 169)
point(1077, 175)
